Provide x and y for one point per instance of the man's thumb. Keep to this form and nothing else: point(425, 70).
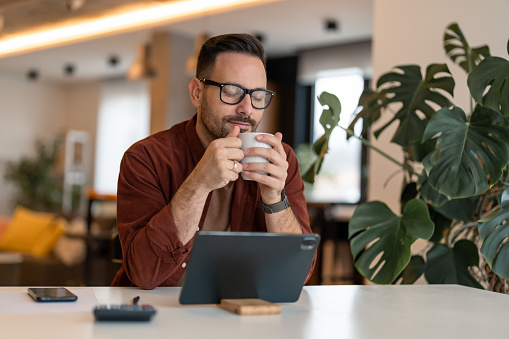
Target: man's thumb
point(235, 132)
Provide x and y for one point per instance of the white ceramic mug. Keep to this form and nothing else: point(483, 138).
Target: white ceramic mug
point(249, 141)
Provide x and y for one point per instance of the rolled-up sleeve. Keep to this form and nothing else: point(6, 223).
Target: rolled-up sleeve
point(152, 251)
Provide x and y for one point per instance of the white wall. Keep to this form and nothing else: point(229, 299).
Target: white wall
point(81, 106)
point(412, 32)
point(179, 106)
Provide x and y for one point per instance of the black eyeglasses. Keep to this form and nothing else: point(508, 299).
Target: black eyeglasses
point(232, 94)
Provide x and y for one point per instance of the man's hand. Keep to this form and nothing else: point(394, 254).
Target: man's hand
point(220, 163)
point(218, 166)
point(272, 184)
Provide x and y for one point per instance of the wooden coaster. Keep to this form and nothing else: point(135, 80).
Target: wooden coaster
point(250, 306)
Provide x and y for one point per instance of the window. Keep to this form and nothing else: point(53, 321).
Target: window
point(124, 118)
point(339, 180)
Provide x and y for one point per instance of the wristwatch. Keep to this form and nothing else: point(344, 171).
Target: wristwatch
point(277, 207)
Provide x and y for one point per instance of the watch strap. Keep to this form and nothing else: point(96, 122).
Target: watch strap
point(277, 207)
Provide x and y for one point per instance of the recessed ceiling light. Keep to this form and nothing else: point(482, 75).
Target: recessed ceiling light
point(331, 25)
point(113, 60)
point(32, 74)
point(69, 69)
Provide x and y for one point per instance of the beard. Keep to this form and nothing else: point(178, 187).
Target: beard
point(217, 127)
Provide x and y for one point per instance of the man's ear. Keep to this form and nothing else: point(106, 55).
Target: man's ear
point(195, 92)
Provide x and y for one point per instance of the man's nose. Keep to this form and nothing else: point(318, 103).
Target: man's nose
point(244, 106)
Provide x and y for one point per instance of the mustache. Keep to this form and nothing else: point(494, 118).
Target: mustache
point(242, 119)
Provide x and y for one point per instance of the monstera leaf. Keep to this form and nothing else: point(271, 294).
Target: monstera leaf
point(329, 120)
point(470, 155)
point(460, 52)
point(458, 209)
point(388, 235)
point(428, 193)
point(371, 103)
point(494, 235)
point(330, 117)
point(313, 168)
point(414, 93)
point(413, 271)
point(442, 226)
point(492, 77)
point(446, 265)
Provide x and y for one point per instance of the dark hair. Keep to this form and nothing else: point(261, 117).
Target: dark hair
point(238, 43)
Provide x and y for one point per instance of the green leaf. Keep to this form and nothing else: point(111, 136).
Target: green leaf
point(413, 271)
point(409, 192)
point(371, 103)
point(329, 120)
point(450, 265)
point(415, 93)
point(330, 117)
point(459, 209)
point(36, 177)
point(491, 77)
point(494, 235)
point(309, 175)
point(428, 193)
point(321, 146)
point(442, 226)
point(470, 155)
point(418, 151)
point(307, 158)
point(388, 235)
point(460, 52)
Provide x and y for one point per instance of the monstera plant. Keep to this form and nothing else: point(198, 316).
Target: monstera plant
point(456, 183)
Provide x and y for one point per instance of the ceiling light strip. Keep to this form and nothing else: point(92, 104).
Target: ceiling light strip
point(137, 19)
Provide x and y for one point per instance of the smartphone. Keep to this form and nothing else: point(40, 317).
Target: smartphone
point(43, 294)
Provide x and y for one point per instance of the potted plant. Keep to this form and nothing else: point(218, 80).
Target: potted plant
point(37, 182)
point(456, 184)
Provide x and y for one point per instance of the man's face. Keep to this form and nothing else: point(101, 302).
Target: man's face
point(219, 118)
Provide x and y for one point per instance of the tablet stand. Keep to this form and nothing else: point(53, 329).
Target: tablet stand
point(250, 306)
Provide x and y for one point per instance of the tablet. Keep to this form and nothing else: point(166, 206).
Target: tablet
point(234, 265)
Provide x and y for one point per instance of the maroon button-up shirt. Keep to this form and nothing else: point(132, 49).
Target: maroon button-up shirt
point(151, 172)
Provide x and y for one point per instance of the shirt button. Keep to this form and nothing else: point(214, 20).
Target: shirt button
point(184, 265)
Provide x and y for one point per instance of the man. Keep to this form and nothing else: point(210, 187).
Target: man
point(186, 179)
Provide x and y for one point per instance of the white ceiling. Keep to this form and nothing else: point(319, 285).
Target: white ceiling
point(287, 27)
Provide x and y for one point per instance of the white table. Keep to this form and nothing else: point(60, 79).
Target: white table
point(420, 311)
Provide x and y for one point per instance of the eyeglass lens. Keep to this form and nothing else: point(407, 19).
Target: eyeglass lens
point(232, 94)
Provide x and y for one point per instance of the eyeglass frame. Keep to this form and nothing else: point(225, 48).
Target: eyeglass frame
point(246, 91)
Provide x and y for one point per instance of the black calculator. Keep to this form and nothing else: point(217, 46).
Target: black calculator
point(124, 312)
